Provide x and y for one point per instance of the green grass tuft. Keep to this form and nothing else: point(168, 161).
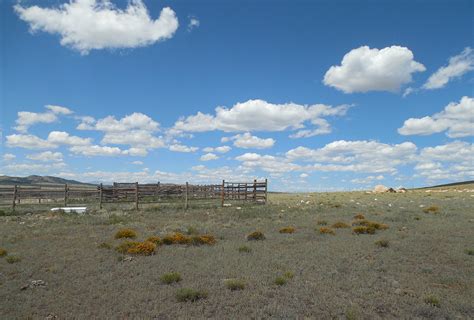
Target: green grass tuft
point(244, 249)
point(188, 294)
point(13, 259)
point(432, 300)
point(235, 284)
point(171, 277)
point(280, 281)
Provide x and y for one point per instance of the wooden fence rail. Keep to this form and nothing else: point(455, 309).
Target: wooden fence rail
point(136, 193)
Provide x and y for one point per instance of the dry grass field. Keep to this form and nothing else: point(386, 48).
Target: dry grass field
point(407, 256)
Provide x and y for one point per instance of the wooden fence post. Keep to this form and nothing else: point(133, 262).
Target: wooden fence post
point(222, 193)
point(66, 191)
point(14, 196)
point(136, 195)
point(266, 191)
point(255, 190)
point(186, 196)
point(100, 196)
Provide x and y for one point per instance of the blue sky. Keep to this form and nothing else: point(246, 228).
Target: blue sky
point(313, 95)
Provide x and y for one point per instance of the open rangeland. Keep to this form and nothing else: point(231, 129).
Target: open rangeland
point(346, 255)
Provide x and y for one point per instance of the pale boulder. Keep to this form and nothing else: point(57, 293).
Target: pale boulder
point(380, 189)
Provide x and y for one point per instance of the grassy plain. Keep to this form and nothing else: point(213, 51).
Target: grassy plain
point(421, 267)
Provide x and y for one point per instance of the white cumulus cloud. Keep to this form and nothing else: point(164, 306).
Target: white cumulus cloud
point(26, 118)
point(182, 148)
point(209, 157)
point(248, 141)
point(457, 119)
point(46, 156)
point(221, 149)
point(193, 23)
point(364, 69)
point(85, 25)
point(259, 115)
point(457, 66)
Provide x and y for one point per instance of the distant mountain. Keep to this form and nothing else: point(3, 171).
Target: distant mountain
point(6, 180)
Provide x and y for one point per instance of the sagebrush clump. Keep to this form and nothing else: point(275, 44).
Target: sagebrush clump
point(125, 233)
point(256, 235)
point(205, 239)
point(287, 230)
point(169, 278)
point(177, 238)
point(363, 230)
point(155, 239)
point(124, 246)
point(370, 224)
point(188, 294)
point(325, 230)
point(235, 284)
point(3, 252)
point(359, 216)
point(144, 248)
point(340, 225)
point(382, 243)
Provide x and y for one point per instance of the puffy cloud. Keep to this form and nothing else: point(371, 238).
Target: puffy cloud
point(456, 118)
point(452, 161)
point(221, 149)
point(368, 179)
point(34, 168)
point(457, 66)
point(247, 141)
point(8, 157)
point(95, 150)
point(46, 156)
point(28, 141)
point(193, 23)
point(456, 151)
point(208, 157)
point(26, 119)
point(267, 163)
point(59, 110)
point(304, 175)
point(356, 156)
point(364, 69)
point(182, 148)
point(259, 115)
point(136, 152)
point(63, 138)
point(135, 130)
point(86, 25)
point(138, 138)
point(138, 163)
point(134, 121)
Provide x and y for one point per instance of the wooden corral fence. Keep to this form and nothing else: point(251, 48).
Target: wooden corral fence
point(136, 193)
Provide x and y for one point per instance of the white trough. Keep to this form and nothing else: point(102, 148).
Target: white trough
point(71, 209)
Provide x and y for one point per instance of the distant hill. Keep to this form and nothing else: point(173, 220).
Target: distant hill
point(454, 184)
point(34, 179)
